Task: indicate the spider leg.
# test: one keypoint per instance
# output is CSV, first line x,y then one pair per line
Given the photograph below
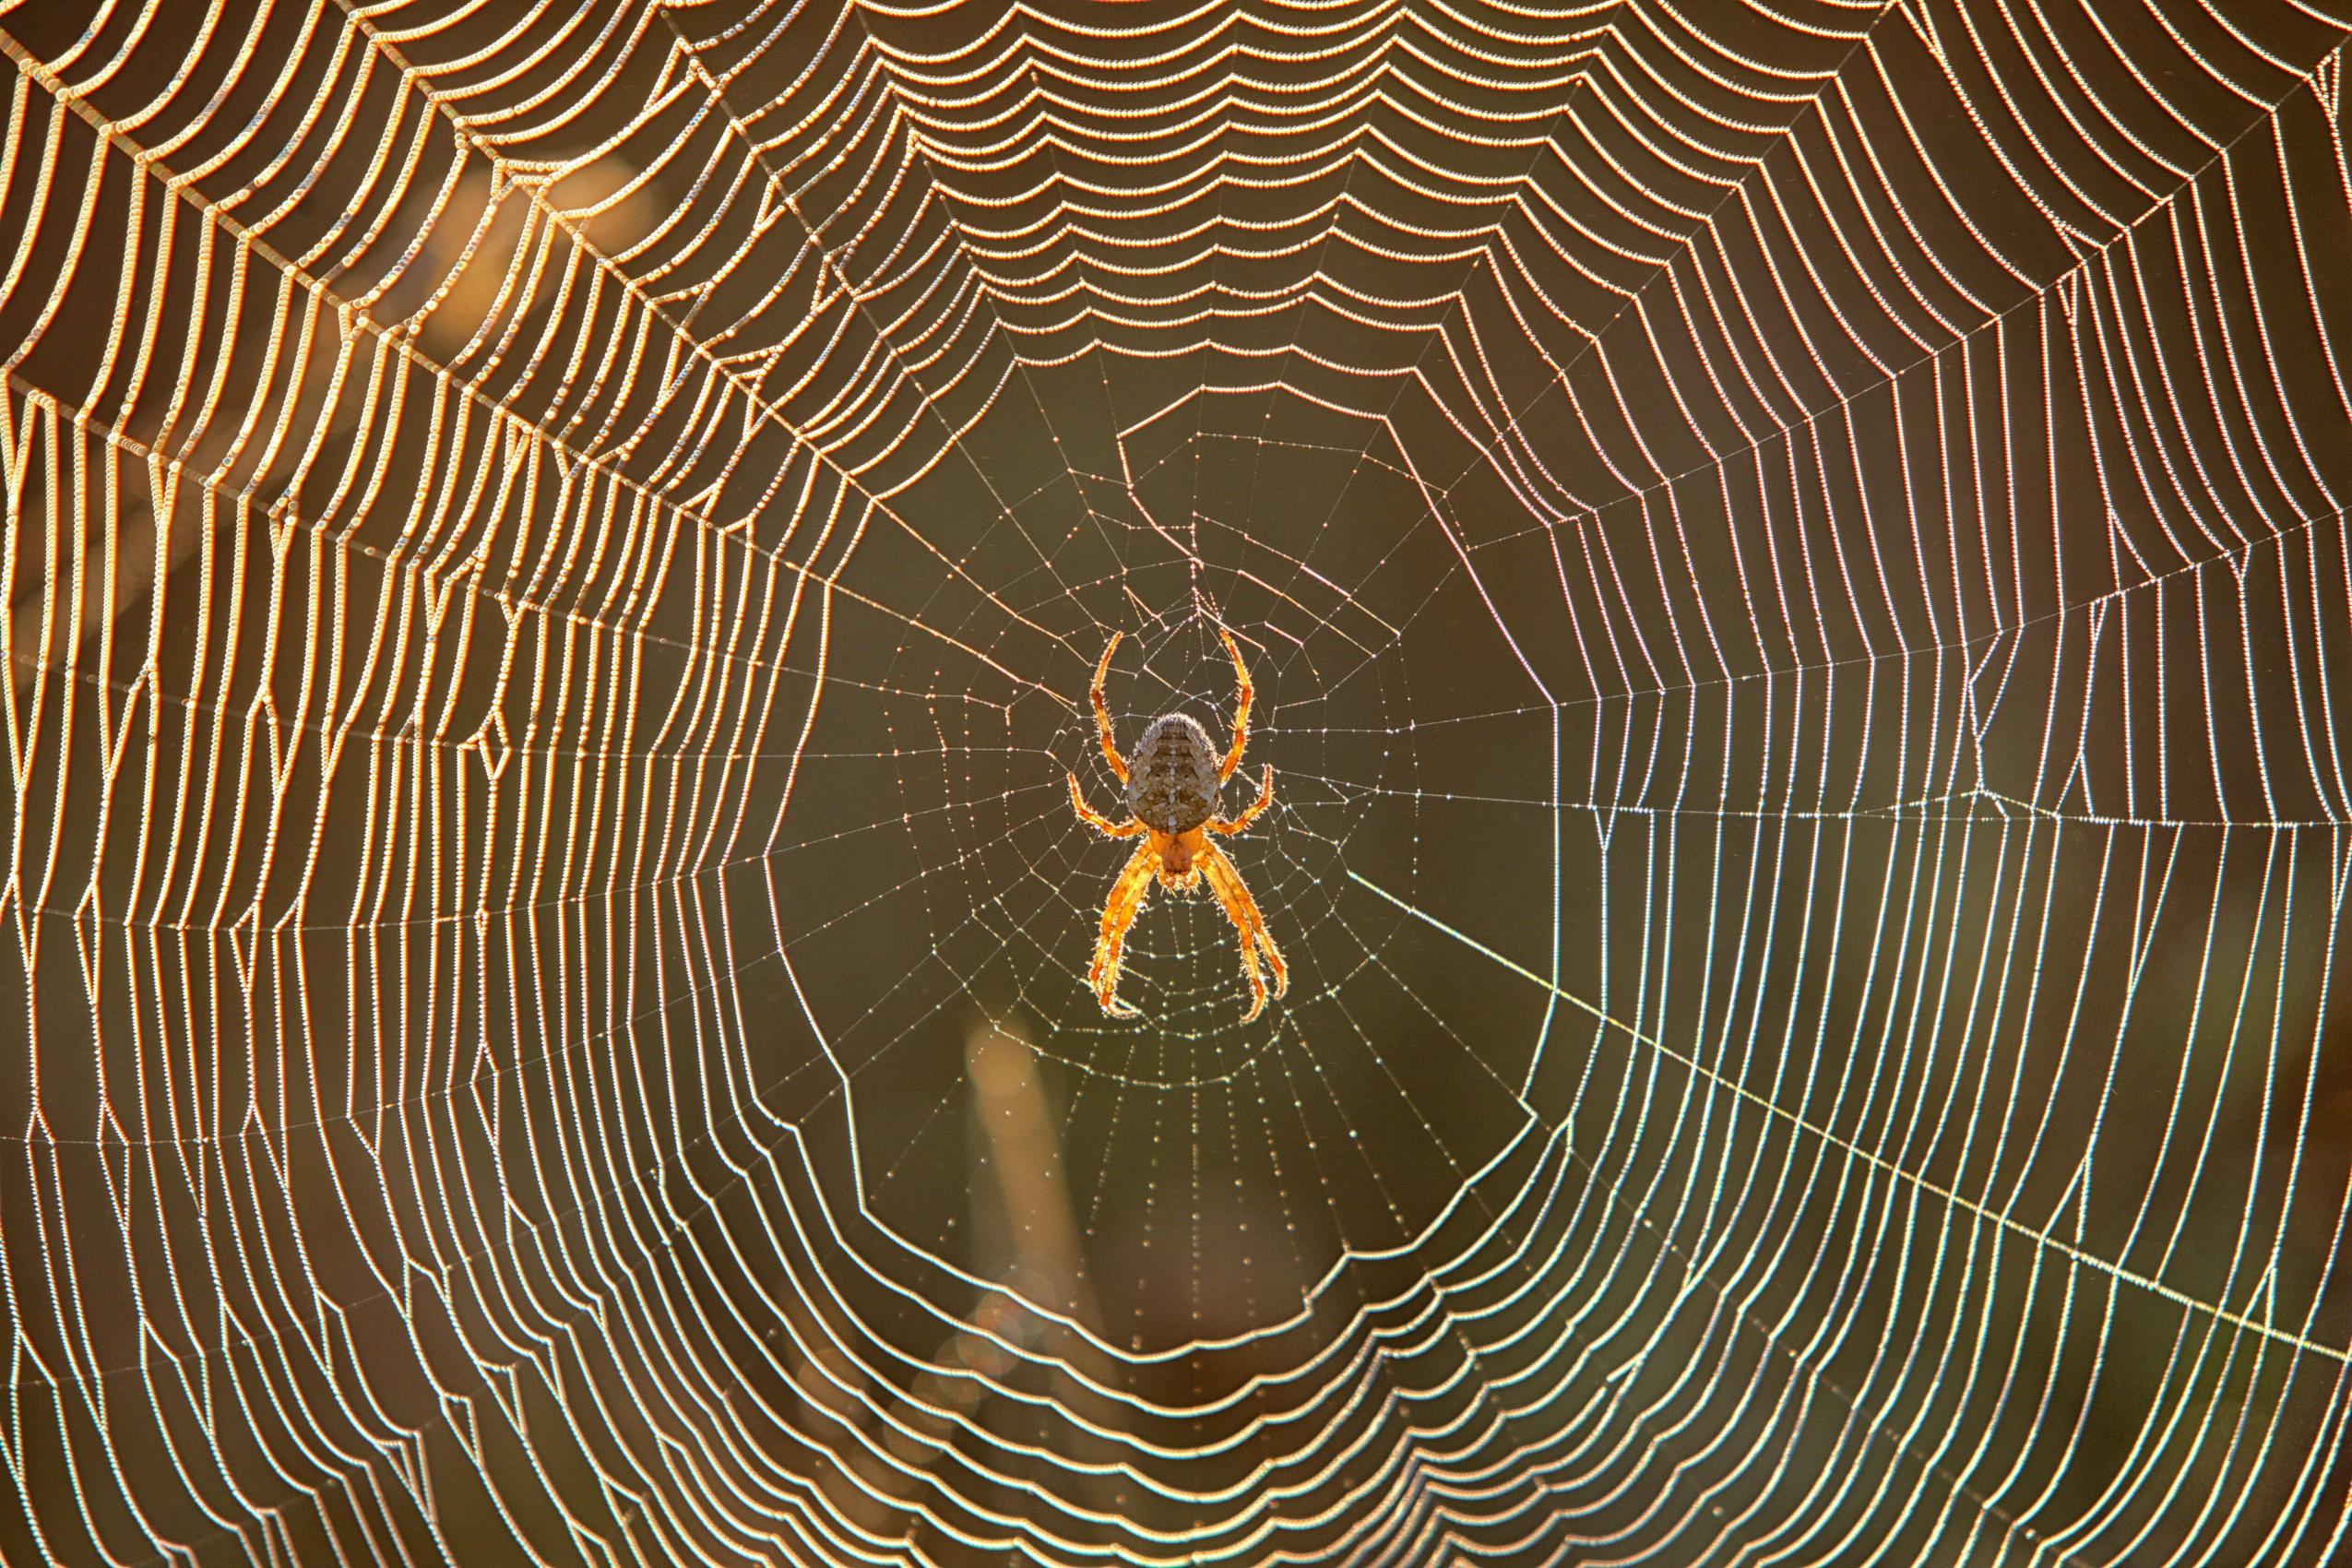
x,y
1241,823
1100,823
1240,708
1118,912
1242,911
1102,713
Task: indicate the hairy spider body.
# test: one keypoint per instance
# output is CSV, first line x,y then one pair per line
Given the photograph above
x,y
1172,781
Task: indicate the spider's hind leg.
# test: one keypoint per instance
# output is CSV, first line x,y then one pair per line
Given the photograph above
x,y
1102,711
1245,693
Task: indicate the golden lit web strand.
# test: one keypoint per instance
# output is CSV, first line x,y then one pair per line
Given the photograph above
x,y
1814,540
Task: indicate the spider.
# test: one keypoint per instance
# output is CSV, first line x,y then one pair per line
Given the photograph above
x,y
1172,781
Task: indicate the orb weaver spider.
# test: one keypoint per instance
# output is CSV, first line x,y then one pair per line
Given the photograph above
x,y
1172,781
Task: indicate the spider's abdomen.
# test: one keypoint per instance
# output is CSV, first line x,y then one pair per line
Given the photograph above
x,y
1171,779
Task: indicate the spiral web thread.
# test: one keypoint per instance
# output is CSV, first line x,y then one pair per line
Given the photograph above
x,y
1793,563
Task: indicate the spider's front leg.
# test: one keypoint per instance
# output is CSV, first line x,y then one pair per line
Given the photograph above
x,y
1118,912
1242,911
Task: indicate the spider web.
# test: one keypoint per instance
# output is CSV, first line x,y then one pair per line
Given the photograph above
x,y
1792,564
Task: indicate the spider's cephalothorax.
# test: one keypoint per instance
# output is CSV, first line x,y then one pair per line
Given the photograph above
x,y
1173,782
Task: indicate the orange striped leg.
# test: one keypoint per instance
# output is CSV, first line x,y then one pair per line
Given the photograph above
x,y
1118,912
1240,824
1240,708
1100,823
1242,911
1102,712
